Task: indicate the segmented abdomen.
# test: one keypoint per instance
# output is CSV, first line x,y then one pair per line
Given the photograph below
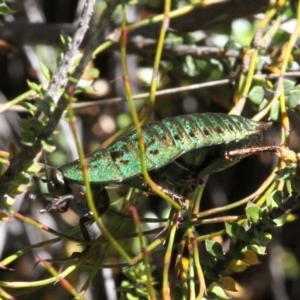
x,y
164,141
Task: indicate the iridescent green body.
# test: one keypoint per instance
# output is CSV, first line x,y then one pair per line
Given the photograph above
x,y
178,151
177,146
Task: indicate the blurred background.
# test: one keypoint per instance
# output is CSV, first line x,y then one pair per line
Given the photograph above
x,y
205,45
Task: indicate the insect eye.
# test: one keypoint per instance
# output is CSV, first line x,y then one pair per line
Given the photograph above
x,y
56,184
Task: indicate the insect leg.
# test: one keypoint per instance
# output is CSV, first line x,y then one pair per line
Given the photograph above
x,y
173,195
85,234
250,151
101,199
59,204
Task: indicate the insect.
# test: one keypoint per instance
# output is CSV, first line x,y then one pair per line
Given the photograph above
x,y
177,150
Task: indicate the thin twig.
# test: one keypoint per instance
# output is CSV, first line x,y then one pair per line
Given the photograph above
x,y
28,153
142,96
60,79
145,46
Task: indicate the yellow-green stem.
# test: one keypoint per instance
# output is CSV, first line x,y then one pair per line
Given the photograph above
x,y
90,201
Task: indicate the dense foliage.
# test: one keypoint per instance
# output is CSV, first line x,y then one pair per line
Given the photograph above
x,y
77,75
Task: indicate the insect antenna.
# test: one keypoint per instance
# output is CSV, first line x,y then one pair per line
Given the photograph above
x,y
46,167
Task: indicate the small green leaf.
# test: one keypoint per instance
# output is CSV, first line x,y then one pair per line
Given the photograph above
x,y
256,94
288,85
45,106
263,104
76,58
145,75
16,189
33,124
7,200
288,172
294,98
296,185
35,87
242,234
275,111
281,220
5,10
124,120
289,186
75,80
28,137
253,212
24,123
130,296
87,89
22,178
232,45
261,250
46,72
236,231
65,39
216,292
231,229
214,248
274,199
265,218
36,124
30,107
93,72
48,146
261,237
33,167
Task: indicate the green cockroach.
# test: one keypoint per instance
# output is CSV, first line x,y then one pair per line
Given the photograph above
x,y
177,149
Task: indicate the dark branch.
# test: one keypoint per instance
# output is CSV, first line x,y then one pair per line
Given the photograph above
x,y
144,46
27,154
